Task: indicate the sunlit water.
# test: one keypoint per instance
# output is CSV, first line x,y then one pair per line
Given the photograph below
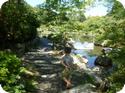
x,y
86,54
85,49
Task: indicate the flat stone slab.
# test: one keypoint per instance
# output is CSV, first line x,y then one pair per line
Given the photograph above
x,y
87,88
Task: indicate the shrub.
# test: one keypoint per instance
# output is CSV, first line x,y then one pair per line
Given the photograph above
x,y
10,71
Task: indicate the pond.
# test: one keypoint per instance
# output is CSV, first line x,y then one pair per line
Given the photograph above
x,y
87,50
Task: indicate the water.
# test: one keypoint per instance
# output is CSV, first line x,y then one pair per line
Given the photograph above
x,y
87,50
85,53
85,45
91,60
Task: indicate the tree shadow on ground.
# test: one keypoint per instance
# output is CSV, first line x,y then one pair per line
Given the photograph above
x,y
49,73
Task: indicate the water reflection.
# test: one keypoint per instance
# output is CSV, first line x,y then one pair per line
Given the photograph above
x,y
85,45
84,49
86,53
91,60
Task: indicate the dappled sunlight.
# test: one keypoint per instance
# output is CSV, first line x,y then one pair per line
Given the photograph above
x,y
34,36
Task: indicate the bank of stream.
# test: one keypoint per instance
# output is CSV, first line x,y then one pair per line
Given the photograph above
x,y
46,63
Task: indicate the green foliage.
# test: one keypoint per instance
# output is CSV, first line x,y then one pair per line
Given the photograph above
x,y
111,28
59,19
10,71
59,34
108,28
116,33
118,10
18,23
59,11
117,77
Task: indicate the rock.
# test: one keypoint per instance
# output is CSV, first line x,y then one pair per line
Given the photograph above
x,y
87,88
106,42
29,73
103,61
44,86
104,85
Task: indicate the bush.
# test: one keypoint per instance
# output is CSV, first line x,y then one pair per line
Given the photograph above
x,y
21,27
117,77
10,71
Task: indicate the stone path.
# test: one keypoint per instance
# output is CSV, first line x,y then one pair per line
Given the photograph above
x,y
48,68
49,74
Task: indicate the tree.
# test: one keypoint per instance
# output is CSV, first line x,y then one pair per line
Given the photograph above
x,y
59,10
118,10
18,23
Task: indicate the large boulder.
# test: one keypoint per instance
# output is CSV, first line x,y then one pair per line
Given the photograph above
x,y
103,61
106,42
